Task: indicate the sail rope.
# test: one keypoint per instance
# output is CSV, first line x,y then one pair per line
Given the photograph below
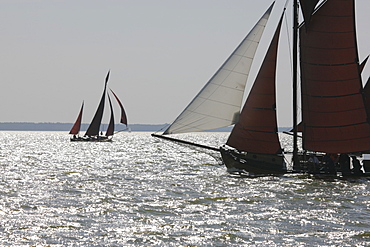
x,y
211,151
162,129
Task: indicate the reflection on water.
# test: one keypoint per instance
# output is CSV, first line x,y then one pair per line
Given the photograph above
x,y
141,191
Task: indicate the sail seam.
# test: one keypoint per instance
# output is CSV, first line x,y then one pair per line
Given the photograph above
x,y
259,131
236,72
327,32
336,126
358,138
333,81
242,55
206,115
221,102
221,85
260,108
181,126
339,64
336,96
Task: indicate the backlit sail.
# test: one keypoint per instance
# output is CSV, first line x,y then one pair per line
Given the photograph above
x,y
218,103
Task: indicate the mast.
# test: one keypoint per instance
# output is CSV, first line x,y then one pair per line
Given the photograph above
x,y
296,165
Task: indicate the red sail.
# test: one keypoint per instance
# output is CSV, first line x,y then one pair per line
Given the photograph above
x,y
110,129
94,127
256,130
308,7
333,110
123,114
76,127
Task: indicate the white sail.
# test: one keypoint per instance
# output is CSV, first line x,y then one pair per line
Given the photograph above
x,y
218,103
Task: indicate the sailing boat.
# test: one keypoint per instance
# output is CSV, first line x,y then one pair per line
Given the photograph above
x,y
93,132
334,114
255,137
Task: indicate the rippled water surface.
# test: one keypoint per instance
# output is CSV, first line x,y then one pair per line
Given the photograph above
x,y
141,191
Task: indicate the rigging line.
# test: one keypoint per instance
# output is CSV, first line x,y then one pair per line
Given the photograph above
x,y
118,131
316,9
288,133
287,161
161,129
286,4
289,44
186,142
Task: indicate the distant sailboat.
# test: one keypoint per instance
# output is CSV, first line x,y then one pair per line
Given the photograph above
x,y
77,125
93,132
334,116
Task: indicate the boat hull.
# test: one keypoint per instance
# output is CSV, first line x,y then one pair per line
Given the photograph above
x,y
91,139
255,164
320,169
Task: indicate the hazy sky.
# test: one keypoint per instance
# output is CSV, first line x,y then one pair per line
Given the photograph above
x,y
56,53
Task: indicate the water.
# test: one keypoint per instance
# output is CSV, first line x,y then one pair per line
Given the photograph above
x,y
141,191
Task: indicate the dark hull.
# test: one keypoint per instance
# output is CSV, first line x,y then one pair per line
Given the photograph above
x,y
91,139
254,164
320,169
362,175
339,174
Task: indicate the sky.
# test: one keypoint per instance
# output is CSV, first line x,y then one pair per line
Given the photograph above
x,y
56,53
